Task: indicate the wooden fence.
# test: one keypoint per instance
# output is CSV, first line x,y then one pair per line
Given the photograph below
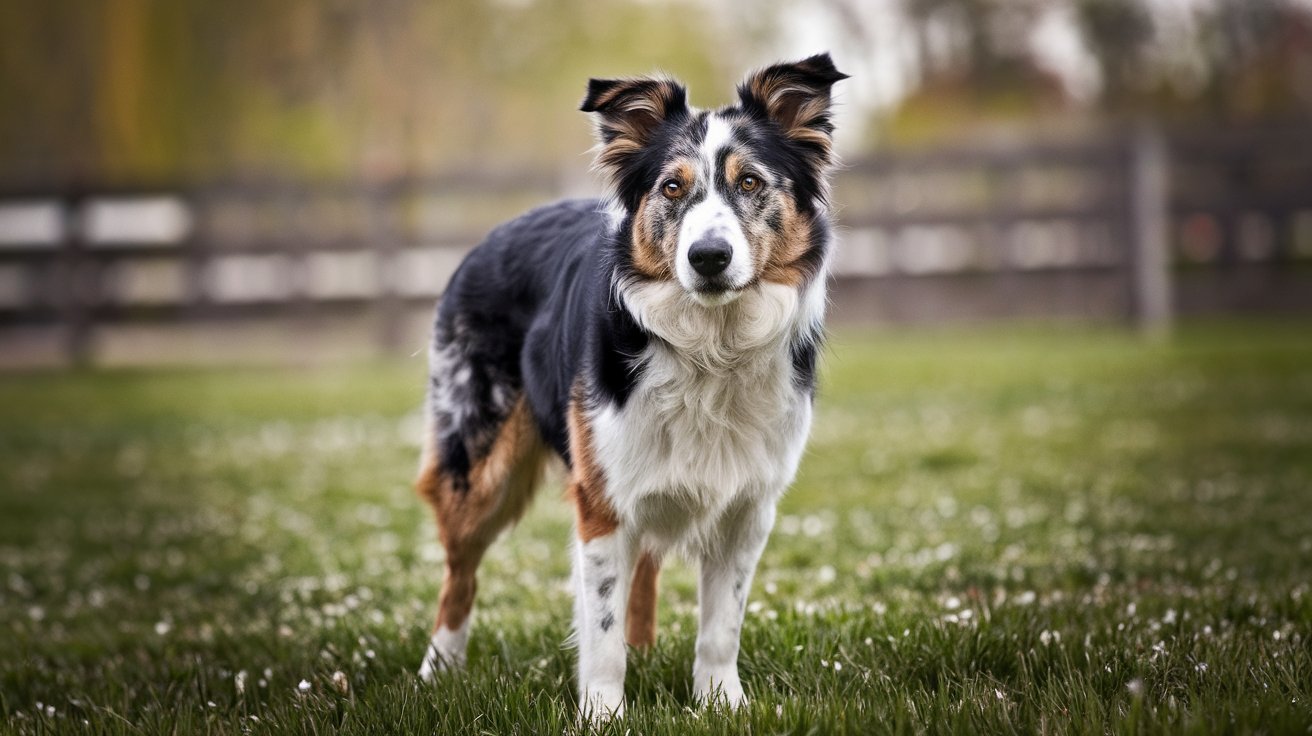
x,y
1106,228
1137,226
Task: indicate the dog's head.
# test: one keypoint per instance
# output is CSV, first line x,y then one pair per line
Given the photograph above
x,y
723,199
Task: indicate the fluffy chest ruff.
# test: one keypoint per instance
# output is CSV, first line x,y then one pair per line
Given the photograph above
x,y
719,416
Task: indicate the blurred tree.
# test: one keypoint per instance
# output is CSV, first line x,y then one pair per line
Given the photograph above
x,y
162,88
1260,56
1118,34
975,64
975,69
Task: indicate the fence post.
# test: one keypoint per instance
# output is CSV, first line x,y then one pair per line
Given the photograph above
x,y
1151,302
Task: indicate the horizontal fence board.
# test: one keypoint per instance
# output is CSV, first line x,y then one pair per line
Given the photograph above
x,y
1024,221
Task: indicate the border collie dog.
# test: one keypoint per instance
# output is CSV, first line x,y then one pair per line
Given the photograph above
x,y
663,344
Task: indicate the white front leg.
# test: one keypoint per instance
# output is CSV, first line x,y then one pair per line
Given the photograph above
x,y
602,569
727,567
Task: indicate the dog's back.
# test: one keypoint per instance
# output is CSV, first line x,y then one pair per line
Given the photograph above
x,y
476,374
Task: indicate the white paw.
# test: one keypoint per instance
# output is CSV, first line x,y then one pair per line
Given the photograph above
x,y
446,652
720,689
601,704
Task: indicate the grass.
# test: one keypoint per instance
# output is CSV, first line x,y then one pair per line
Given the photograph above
x,y
994,531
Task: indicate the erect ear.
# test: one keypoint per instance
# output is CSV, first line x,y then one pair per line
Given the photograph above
x,y
629,111
796,97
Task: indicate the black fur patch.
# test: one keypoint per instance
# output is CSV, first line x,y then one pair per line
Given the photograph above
x,y
618,356
804,357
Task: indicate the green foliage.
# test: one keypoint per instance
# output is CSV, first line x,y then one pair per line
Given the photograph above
x,y
152,89
993,532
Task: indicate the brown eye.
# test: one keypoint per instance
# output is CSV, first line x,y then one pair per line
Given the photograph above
x,y
672,189
749,183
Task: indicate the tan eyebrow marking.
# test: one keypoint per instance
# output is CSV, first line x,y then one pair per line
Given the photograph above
x,y
733,167
683,170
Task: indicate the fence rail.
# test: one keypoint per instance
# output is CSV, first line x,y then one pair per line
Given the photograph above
x,y
1102,228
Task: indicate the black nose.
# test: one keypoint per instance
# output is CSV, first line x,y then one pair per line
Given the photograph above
x,y
710,257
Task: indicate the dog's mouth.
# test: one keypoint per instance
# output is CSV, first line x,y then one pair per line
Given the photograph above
x,y
717,299
714,292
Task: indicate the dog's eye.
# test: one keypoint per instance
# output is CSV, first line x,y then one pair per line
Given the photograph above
x,y
749,183
672,189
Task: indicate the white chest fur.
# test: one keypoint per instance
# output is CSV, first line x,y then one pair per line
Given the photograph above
x,y
716,417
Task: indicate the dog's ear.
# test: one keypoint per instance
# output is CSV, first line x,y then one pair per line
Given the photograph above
x,y
628,112
796,97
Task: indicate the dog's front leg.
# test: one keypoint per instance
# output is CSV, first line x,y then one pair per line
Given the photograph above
x,y
727,566
603,567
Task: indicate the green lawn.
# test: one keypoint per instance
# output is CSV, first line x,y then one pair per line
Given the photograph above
x,y
994,530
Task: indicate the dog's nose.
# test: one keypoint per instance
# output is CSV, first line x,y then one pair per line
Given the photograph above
x,y
709,257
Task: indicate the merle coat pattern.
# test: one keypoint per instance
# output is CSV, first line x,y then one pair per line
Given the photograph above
x,y
663,344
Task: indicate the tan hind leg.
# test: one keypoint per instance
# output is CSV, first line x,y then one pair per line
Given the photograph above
x,y
500,486
640,621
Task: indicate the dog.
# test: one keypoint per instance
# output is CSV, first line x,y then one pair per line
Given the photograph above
x,y
662,343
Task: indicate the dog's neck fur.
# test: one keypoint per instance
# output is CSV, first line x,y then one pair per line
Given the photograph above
x,y
724,339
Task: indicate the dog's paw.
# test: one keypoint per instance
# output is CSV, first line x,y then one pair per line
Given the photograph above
x,y
444,654
600,705
724,692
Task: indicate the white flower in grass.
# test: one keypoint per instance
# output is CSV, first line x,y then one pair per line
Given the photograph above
x,y
813,526
239,682
340,682
999,694
828,574
1200,668
304,686
1047,637
1135,687
952,603
163,627
838,666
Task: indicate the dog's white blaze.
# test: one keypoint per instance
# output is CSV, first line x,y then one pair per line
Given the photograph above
x,y
446,650
713,218
718,135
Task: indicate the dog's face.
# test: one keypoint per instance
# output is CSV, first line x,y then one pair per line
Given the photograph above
x,y
720,200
